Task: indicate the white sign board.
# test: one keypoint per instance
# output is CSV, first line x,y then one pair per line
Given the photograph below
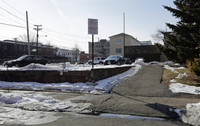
x,y
93,26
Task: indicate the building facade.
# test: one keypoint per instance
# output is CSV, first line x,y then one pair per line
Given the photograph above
x,y
69,55
101,48
117,43
146,42
10,49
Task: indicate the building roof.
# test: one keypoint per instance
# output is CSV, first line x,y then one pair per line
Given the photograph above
x,y
122,34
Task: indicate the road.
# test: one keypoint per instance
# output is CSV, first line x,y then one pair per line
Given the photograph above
x,y
142,94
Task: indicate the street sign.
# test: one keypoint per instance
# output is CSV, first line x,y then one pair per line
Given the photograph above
x,y
93,26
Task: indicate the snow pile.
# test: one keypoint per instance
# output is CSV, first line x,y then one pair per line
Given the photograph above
x,y
109,83
38,102
163,63
141,62
29,108
59,66
182,88
192,116
100,86
34,66
16,116
173,69
182,75
178,87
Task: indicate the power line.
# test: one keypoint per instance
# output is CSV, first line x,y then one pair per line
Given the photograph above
x,y
50,30
35,21
17,10
12,7
63,39
10,19
11,14
66,33
12,25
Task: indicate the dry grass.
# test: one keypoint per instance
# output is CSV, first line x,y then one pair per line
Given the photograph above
x,y
191,79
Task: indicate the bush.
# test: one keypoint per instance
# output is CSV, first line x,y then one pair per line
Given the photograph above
x,y
194,66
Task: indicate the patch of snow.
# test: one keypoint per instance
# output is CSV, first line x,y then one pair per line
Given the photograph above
x,y
162,63
182,88
16,116
38,102
173,68
180,76
169,68
173,81
192,115
104,85
59,66
109,83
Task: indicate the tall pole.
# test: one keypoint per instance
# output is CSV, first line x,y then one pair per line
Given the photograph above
x,y
92,51
37,29
124,32
29,50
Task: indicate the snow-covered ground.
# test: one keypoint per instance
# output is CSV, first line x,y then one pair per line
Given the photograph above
x,y
98,87
24,107
31,108
192,114
59,66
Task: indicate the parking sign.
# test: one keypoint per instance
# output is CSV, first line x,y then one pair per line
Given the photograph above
x,y
93,26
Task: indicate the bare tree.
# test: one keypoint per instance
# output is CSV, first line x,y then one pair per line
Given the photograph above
x,y
77,50
158,37
23,38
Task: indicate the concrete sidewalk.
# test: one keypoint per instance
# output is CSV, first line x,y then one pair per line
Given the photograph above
x,y
147,82
142,94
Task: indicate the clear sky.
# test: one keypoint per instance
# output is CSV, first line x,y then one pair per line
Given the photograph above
x,y
65,22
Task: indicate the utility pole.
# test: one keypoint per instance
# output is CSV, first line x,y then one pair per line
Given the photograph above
x,y
29,50
37,29
16,53
124,32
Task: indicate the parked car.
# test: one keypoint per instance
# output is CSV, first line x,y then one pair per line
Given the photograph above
x,y
127,61
25,60
114,59
140,59
97,60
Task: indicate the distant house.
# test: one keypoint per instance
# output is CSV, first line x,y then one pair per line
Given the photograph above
x,y
117,43
146,42
14,49
70,55
101,48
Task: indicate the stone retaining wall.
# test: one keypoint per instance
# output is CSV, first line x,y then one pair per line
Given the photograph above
x,y
45,76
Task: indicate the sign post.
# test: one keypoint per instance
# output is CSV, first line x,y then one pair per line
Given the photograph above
x,y
93,29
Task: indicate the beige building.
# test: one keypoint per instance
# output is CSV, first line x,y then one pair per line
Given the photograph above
x,y
117,43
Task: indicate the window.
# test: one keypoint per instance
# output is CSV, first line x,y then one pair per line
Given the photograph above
x,y
118,41
118,50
